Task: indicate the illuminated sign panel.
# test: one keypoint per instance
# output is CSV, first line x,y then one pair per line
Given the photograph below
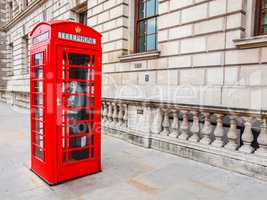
x,y
40,38
77,38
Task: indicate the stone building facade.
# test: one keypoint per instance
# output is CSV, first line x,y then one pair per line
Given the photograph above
x,y
183,76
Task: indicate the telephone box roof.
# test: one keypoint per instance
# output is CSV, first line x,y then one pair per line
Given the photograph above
x,y
55,23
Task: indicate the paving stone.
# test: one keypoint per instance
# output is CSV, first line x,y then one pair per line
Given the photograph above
x,y
129,172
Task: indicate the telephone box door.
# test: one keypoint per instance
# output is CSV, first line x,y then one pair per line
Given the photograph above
x,y
78,105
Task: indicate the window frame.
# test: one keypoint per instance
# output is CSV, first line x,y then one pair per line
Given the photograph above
x,y
259,17
26,57
83,17
137,22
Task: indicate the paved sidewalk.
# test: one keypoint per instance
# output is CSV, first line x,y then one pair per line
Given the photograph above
x,y
129,173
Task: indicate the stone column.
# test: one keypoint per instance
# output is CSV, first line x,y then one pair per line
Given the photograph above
x,y
247,137
156,122
175,125
165,123
219,132
184,126
262,139
206,130
195,127
232,135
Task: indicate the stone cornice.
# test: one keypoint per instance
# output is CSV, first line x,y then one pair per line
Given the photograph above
x,y
22,14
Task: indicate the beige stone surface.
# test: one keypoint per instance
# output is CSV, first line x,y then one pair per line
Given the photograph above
x,y
191,45
192,77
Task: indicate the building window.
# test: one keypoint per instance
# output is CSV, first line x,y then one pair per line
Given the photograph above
x,y
146,25
83,17
26,3
11,55
10,9
261,17
25,68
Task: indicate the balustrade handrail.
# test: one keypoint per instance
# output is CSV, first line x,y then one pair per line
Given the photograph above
x,y
241,112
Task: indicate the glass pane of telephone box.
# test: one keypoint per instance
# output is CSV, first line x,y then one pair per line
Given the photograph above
x,y
79,59
81,141
38,59
78,128
79,73
78,87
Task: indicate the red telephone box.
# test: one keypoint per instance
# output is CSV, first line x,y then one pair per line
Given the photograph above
x,y
65,96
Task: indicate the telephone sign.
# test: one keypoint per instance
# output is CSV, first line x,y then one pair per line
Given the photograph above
x,y
65,100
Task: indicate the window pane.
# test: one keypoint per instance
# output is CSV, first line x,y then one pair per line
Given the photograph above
x,y
76,100
150,8
151,26
79,59
80,128
76,87
79,73
151,42
142,28
78,141
265,18
79,155
157,7
38,59
142,45
142,10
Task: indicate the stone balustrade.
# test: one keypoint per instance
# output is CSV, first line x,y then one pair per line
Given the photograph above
x,y
114,115
218,128
195,126
235,135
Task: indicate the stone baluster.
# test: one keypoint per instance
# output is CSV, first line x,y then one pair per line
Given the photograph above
x,y
206,130
105,112
184,126
247,137
120,115
175,124
102,111
115,115
110,113
232,134
262,139
125,116
165,123
195,127
219,132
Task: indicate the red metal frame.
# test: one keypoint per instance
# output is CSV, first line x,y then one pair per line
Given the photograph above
x,y
58,153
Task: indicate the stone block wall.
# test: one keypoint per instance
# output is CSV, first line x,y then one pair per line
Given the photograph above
x,y
199,61
3,60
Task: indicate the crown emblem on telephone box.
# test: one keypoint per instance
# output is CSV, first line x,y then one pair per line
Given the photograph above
x,y
78,29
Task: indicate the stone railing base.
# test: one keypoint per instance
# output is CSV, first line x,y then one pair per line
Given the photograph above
x,y
226,159
128,136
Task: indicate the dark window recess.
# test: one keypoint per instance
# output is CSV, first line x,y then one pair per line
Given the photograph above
x,y
146,25
83,17
261,17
